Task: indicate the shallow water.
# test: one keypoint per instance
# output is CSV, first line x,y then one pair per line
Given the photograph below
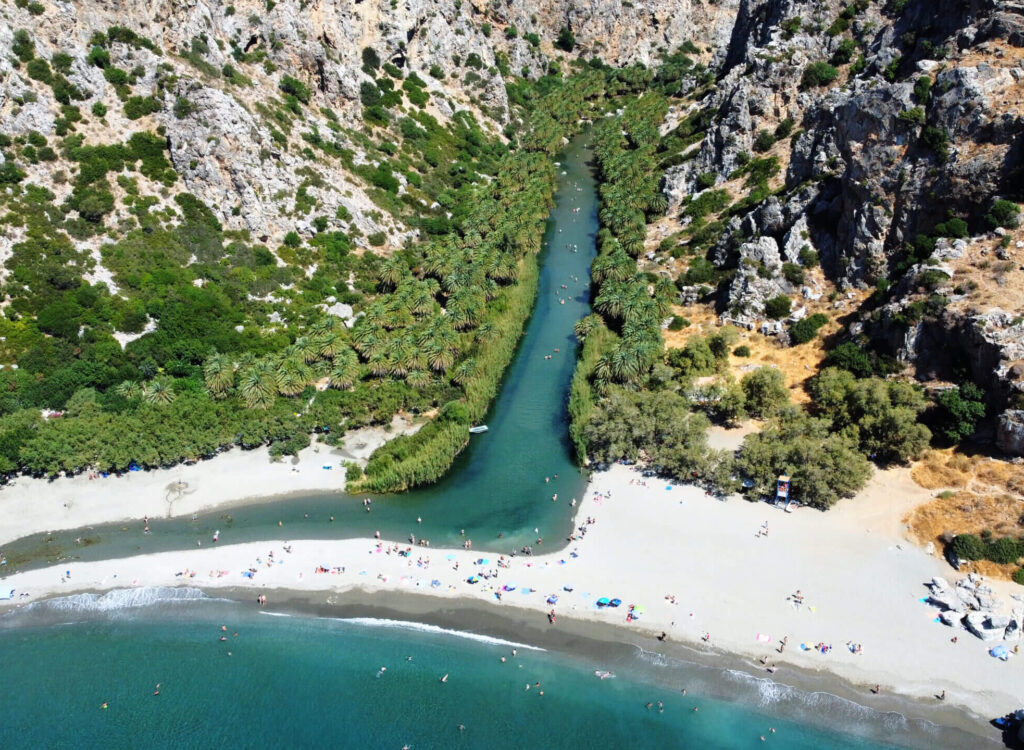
x,y
298,681
496,485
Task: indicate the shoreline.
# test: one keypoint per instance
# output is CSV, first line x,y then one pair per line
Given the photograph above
x,y
649,543
235,477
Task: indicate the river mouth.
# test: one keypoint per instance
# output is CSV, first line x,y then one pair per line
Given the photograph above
x,y
513,485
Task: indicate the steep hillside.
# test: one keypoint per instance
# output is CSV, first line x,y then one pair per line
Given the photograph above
x,y
884,141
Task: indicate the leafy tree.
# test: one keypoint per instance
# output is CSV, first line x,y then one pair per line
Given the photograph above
x,y
777,307
765,391
823,466
960,410
806,329
818,74
566,40
295,87
851,357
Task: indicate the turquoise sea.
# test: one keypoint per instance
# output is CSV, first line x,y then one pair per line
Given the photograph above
x,y
304,681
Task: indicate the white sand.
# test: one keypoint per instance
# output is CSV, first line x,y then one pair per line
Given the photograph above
x,y
861,582
29,506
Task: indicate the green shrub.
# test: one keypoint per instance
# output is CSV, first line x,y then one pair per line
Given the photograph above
x,y
706,180
436,71
793,273
292,239
511,32
765,391
140,106
777,307
808,257
915,116
923,89
1003,551
742,351
790,27
370,58
818,74
956,228
1003,213
960,409
294,87
115,76
784,128
968,547
532,38
938,141
99,57
804,330
566,40
844,52
376,239
183,107
701,271
99,109
1018,576
678,323
764,141
39,70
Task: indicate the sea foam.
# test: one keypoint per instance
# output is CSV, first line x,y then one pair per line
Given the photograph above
x,y
118,599
424,628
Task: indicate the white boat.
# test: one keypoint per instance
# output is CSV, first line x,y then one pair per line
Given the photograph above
x,y
477,430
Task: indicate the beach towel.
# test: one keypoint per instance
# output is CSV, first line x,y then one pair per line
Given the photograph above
x,y
763,638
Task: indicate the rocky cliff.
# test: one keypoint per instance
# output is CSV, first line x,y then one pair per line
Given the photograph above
x,y
889,137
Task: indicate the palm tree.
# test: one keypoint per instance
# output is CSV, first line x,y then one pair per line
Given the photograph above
x,y
158,391
392,271
465,371
128,389
585,326
219,374
345,370
306,348
329,343
257,384
419,379
293,375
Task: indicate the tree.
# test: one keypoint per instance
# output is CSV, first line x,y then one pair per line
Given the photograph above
x,y
295,87
777,307
765,391
960,410
818,74
219,374
566,39
345,369
159,391
257,384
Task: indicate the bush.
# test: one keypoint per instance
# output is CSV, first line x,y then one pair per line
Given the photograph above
x,y
292,239
22,46
99,109
370,58
777,307
808,257
1004,213
742,351
566,40
532,38
183,107
701,271
961,408
844,52
1003,551
39,70
968,547
804,330
784,128
818,74
793,273
1018,576
706,180
790,26
377,239
852,358
938,141
763,141
98,57
765,391
436,72
295,87
140,106
678,323
956,228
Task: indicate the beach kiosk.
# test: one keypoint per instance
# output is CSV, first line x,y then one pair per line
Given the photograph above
x,y
782,490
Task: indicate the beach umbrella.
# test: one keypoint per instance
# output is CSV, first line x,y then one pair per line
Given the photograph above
x,y
614,602
472,579
567,588
552,599
603,601
510,587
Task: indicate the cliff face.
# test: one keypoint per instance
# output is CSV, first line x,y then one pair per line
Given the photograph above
x,y
902,116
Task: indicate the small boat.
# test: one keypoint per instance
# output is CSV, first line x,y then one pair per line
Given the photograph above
x,y
478,429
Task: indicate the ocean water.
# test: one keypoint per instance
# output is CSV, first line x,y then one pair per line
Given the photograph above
x,y
302,681
496,486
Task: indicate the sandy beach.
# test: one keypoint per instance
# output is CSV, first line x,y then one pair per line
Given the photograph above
x,y
859,581
29,505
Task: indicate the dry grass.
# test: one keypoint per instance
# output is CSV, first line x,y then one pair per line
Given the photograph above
x,y
980,494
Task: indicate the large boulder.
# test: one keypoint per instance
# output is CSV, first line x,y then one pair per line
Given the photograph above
x,y
1010,432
